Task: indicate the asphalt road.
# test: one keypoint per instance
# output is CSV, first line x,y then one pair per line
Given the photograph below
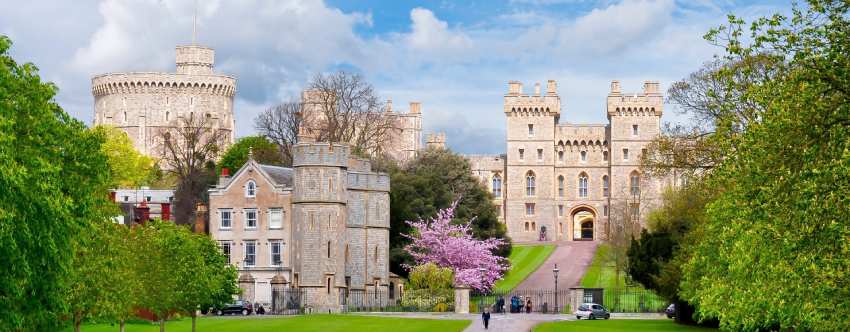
x,y
572,257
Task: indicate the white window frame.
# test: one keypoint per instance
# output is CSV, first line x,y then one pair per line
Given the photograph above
x,y
582,185
221,219
229,252
271,214
253,255
251,189
272,244
256,218
497,186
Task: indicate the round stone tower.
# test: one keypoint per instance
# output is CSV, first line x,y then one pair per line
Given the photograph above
x,y
319,221
143,104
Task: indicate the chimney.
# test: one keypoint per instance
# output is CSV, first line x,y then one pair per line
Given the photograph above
x,y
551,87
201,218
415,107
615,87
650,87
225,175
514,88
537,88
389,106
112,195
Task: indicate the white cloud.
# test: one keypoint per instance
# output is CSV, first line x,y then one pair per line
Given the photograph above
x,y
433,36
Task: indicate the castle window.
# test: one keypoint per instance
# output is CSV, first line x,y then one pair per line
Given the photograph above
x,y
497,186
275,250
529,209
250,252
329,285
530,130
643,152
583,156
275,218
605,210
529,184
251,189
634,130
533,226
635,183
605,155
526,226
250,218
582,185
375,258
560,155
635,211
605,190
539,154
625,154
560,186
225,217
329,249
521,154
125,117
560,210
167,116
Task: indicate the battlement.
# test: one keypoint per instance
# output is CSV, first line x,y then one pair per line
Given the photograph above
x,y
320,154
649,102
436,141
521,103
369,181
151,82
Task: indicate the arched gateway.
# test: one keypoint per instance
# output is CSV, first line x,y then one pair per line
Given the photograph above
x,y
583,222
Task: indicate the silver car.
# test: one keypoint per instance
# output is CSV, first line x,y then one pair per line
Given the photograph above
x,y
592,311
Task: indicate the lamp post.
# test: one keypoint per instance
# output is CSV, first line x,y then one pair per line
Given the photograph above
x,y
555,273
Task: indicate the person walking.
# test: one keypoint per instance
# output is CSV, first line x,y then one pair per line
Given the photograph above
x,y
485,317
528,305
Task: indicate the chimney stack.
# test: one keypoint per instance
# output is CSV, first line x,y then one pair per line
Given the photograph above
x,y
551,87
415,107
514,88
225,175
615,87
650,87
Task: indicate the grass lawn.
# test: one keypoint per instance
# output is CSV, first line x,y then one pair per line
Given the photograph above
x,y
323,323
524,260
619,296
615,325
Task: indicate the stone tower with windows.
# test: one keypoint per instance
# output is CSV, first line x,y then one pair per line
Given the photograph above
x,y
319,220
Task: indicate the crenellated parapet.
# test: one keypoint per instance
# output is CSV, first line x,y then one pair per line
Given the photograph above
x,y
163,83
320,154
369,181
649,102
521,104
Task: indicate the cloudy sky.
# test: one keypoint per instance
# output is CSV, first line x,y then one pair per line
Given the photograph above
x,y
455,57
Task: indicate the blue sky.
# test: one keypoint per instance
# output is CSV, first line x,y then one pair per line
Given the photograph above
x,y
454,57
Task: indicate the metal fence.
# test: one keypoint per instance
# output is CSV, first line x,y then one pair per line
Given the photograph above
x,y
408,301
633,300
288,301
521,301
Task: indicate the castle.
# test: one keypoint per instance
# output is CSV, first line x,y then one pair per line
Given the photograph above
x,y
144,104
561,181
321,227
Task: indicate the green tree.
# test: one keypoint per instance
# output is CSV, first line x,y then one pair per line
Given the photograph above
x,y
208,279
430,276
264,151
775,238
128,167
53,181
432,181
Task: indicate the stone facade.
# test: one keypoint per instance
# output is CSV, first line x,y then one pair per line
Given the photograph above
x,y
570,178
333,229
144,104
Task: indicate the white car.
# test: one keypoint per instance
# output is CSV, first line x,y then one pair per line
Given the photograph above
x,y
592,311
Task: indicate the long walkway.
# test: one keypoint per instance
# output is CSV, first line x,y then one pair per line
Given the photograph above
x,y
572,257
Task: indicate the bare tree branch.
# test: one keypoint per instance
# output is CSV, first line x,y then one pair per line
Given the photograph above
x,y
281,124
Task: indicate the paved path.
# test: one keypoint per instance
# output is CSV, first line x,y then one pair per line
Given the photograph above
x,y
505,322
572,257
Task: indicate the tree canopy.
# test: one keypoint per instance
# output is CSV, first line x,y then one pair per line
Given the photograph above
x,y
129,167
264,151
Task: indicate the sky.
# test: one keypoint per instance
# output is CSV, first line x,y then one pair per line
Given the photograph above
x,y
455,57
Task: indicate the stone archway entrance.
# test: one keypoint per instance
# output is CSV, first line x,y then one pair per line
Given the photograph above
x,y
583,221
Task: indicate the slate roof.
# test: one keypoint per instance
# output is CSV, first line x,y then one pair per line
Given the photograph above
x,y
280,175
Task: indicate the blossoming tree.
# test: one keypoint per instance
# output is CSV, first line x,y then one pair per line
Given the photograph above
x,y
452,245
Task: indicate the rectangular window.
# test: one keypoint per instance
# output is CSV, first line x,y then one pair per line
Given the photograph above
x,y
529,209
605,210
250,252
634,130
275,218
604,155
539,154
275,249
250,218
560,210
521,154
530,129
625,154
226,218
147,199
635,211
225,249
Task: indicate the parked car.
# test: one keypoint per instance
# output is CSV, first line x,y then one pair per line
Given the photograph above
x,y
238,307
671,310
592,311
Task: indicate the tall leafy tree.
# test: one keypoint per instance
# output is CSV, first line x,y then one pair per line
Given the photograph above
x,y
129,167
264,152
53,182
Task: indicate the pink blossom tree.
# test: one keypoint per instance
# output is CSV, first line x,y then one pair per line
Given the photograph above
x,y
452,245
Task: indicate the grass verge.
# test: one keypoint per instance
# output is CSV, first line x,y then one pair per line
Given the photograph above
x,y
619,296
524,261
618,325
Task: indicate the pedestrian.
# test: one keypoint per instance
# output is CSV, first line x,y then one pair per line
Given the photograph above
x,y
528,305
485,317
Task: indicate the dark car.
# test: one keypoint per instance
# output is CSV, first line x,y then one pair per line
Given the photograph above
x,y
238,307
671,310
592,311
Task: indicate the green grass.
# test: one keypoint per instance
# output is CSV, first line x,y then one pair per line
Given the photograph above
x,y
323,323
524,261
617,325
619,295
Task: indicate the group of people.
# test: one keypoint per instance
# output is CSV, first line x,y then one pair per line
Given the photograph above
x,y
517,305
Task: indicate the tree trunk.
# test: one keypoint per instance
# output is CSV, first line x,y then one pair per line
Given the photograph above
x,y
194,317
121,325
77,323
162,325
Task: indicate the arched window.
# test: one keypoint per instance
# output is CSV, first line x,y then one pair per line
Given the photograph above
x,y
167,117
251,189
605,192
582,185
529,184
560,186
497,185
584,156
635,183
604,155
560,155
526,226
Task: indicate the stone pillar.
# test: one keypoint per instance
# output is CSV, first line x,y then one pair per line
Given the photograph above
x,y
462,299
278,285
246,283
576,298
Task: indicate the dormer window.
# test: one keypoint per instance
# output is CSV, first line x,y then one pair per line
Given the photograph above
x,y
251,189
